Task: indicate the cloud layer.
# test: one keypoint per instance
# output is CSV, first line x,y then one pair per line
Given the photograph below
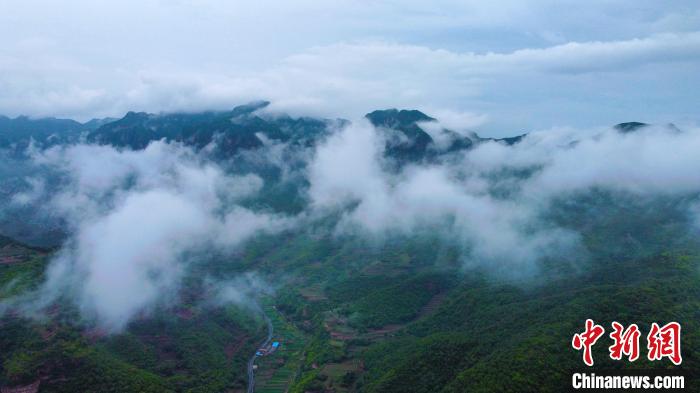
x,y
139,219
494,199
521,65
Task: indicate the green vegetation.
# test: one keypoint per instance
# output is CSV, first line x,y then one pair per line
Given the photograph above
x,y
196,348
21,268
470,330
278,370
396,303
403,316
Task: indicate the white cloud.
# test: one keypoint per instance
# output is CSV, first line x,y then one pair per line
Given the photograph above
x,y
459,199
130,259
240,290
516,65
654,160
142,215
348,172
37,188
138,218
459,121
345,60
579,57
347,169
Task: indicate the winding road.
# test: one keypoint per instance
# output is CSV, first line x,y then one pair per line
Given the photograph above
x,y
251,362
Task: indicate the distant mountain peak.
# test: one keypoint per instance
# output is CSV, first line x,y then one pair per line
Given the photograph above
x,y
512,140
631,126
131,115
392,118
419,138
249,108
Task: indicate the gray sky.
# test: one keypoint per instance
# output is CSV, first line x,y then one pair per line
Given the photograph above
x,y
499,69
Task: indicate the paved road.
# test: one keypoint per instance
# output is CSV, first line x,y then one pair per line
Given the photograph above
x,y
251,362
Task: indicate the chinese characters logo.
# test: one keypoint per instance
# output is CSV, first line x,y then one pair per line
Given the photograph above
x,y
662,342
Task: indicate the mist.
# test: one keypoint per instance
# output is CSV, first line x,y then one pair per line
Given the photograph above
x,y
499,203
139,220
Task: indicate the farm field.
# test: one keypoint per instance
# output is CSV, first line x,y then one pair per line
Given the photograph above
x,y
277,371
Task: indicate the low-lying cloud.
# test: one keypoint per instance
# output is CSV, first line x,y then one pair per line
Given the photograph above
x,y
348,171
138,220
493,200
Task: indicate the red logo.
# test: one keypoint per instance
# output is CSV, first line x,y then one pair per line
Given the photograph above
x,y
586,340
662,342
626,342
665,342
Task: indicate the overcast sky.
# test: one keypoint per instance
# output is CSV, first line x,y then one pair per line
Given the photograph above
x,y
499,69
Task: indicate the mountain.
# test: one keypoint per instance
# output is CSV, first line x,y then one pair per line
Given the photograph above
x,y
94,124
45,132
411,135
634,126
48,131
179,350
409,140
233,131
408,313
630,126
511,140
403,317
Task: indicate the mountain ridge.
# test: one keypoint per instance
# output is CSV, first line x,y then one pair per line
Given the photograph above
x,y
406,131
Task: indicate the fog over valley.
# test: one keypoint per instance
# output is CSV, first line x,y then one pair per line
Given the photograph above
x,y
145,211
